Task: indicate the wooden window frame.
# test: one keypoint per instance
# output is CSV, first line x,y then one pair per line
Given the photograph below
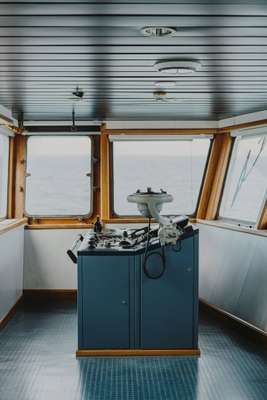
x,y
261,222
8,178
114,215
107,215
210,195
215,177
17,190
84,217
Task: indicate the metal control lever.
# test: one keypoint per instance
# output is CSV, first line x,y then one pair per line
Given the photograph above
x,y
74,246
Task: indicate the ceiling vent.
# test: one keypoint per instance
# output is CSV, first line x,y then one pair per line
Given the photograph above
x,y
165,84
158,31
177,67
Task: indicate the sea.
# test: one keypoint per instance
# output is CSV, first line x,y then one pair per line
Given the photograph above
x,y
59,185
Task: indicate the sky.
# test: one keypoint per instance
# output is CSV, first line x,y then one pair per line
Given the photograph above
x,y
194,147
53,145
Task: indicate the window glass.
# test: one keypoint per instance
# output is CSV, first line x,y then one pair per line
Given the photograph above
x,y
246,183
174,165
4,155
58,179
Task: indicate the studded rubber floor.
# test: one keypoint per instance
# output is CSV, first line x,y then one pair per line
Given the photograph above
x,y
37,362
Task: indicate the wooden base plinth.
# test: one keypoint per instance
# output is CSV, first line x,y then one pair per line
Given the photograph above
x,y
50,294
137,352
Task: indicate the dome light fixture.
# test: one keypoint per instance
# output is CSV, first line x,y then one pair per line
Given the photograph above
x,y
158,31
177,67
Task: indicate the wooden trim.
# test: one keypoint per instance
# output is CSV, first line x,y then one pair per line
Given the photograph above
x,y
209,177
11,179
138,352
12,225
213,186
262,224
96,178
52,294
60,225
184,131
10,313
242,126
214,178
69,222
20,169
104,175
236,322
232,227
46,222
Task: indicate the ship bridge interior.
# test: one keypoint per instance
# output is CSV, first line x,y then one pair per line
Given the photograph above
x,y
133,200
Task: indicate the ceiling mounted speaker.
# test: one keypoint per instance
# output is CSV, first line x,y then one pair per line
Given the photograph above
x,y
177,67
158,31
160,95
78,93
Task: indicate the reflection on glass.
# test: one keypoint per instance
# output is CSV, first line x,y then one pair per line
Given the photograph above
x,y
246,183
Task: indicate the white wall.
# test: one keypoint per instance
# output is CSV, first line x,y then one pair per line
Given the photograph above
x,y
11,268
233,273
46,264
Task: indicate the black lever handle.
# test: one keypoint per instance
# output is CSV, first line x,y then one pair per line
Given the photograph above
x,y
70,252
72,256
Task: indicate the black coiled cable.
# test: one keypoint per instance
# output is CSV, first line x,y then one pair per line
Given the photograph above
x,y
153,253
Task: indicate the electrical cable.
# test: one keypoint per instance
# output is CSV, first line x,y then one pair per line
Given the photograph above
x,y
153,253
177,247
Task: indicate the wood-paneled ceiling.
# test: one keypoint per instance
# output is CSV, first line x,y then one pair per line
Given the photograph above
x,y
48,48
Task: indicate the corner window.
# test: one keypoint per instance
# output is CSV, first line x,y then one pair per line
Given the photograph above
x,y
246,183
4,156
58,176
175,164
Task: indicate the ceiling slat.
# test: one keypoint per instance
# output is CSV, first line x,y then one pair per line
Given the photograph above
x,y
48,48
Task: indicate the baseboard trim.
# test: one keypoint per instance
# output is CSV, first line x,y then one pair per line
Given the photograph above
x,y
137,352
50,294
244,327
10,314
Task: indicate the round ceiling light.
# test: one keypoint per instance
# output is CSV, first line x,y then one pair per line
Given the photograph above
x,y
158,31
177,67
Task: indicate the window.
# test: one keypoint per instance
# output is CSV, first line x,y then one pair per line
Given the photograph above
x,y
246,182
4,155
175,164
58,179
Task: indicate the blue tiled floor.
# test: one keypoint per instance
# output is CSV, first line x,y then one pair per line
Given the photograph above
x,y
37,362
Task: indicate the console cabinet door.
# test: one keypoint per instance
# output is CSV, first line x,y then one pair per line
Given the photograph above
x,y
167,303
103,302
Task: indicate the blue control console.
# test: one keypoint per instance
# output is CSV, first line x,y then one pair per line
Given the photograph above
x,y
138,297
